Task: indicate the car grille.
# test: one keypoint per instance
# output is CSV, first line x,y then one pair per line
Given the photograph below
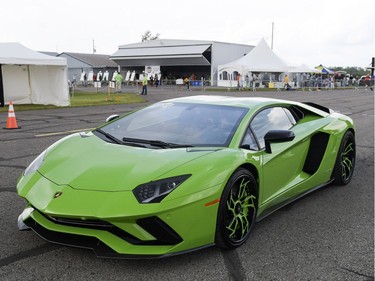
x,y
162,232
96,224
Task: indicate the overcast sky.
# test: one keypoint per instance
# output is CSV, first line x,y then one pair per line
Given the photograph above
x,y
329,32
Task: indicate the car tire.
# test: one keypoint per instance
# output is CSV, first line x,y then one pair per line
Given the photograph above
x,y
237,210
345,161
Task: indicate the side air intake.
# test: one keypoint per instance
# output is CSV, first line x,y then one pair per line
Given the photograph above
x,y
316,152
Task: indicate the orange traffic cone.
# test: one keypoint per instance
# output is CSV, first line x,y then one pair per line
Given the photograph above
x,y
11,122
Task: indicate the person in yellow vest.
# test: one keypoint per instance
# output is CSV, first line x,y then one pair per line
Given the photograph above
x,y
144,84
118,79
286,82
187,82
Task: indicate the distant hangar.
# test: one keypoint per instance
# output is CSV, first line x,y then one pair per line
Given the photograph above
x,y
179,58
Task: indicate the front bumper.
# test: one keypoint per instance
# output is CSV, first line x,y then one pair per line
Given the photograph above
x,y
165,236
114,223
148,237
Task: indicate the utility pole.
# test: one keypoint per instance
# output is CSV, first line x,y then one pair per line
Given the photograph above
x,y
93,46
272,38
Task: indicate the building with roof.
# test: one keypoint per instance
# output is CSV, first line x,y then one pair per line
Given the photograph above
x,y
179,58
54,54
79,63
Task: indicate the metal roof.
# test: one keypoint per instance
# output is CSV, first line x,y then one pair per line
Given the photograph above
x,y
165,43
163,52
95,60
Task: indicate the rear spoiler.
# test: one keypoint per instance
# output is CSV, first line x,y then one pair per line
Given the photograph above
x,y
320,107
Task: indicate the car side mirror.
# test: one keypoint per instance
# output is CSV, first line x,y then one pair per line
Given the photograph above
x,y
277,136
111,117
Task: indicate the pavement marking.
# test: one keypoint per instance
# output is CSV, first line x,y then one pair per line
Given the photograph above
x,y
63,133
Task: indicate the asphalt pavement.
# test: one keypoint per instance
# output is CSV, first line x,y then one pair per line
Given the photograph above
x,y
327,235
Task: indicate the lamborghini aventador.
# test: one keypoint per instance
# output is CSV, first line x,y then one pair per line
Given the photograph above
x,y
183,174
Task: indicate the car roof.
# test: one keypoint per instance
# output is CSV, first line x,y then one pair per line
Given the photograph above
x,y
252,103
247,102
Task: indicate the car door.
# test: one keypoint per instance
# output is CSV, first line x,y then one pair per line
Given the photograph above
x,y
282,168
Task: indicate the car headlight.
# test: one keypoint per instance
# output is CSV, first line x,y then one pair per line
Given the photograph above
x,y
35,164
155,191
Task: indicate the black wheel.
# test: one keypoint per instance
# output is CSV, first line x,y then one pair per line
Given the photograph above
x,y
237,210
345,161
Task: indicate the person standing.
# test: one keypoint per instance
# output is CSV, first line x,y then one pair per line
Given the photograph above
x,y
255,81
251,80
85,79
319,81
118,79
354,83
286,82
368,82
144,85
156,80
74,80
238,78
187,83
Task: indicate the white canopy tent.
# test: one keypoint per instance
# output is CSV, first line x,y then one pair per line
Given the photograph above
x,y
303,69
29,77
261,59
301,74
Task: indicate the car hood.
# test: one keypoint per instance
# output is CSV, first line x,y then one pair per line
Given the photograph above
x,y
84,161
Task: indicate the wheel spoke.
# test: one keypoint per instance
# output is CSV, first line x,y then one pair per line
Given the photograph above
x,y
239,204
347,160
244,225
348,164
231,204
348,149
346,168
246,204
242,193
232,228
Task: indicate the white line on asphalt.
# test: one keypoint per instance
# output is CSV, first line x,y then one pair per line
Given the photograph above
x,y
63,133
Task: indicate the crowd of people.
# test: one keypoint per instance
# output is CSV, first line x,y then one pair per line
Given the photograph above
x,y
302,80
290,81
331,81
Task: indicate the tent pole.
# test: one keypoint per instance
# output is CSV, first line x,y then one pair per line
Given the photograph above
x,y
2,101
29,76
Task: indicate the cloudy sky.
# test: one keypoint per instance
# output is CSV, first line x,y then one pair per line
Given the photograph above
x,y
329,32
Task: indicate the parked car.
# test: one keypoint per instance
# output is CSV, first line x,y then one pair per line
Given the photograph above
x,y
184,174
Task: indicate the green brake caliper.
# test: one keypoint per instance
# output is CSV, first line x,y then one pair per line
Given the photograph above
x,y
238,206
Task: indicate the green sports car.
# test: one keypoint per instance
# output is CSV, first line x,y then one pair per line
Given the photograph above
x,y
183,174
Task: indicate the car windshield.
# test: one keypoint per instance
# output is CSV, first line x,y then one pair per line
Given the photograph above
x,y
178,124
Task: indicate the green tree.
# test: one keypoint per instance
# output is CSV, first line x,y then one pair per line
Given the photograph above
x,y
353,70
148,36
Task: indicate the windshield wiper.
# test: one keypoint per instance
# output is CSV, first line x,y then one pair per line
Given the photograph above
x,y
109,136
115,140
157,143
167,144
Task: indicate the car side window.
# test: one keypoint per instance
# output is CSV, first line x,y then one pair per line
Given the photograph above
x,y
249,141
273,118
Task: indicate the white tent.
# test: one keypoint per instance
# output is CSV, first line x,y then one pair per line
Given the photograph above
x,y
303,69
260,59
30,77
